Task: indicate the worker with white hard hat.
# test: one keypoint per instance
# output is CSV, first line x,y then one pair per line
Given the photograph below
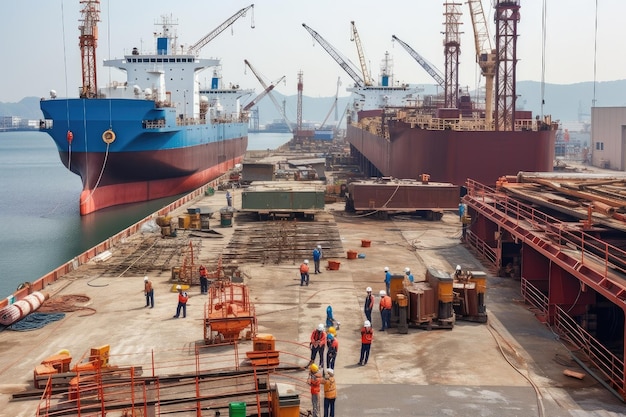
x,y
385,310
409,275
457,271
387,278
317,256
369,304
330,393
318,344
182,302
367,335
148,291
304,272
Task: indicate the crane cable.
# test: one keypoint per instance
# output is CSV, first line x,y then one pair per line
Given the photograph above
x,y
543,55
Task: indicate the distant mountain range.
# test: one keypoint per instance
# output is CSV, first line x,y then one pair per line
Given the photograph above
x,y
567,103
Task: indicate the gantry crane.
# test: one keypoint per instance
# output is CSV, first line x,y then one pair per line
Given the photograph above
x,y
269,93
367,80
90,16
434,72
195,48
343,62
485,54
263,94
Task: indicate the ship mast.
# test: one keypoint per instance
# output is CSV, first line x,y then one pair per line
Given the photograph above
x,y
88,42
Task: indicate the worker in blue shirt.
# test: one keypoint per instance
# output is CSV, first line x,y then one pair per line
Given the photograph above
x,y
409,275
387,278
317,255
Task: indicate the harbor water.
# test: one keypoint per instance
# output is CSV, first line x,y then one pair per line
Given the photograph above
x,y
41,225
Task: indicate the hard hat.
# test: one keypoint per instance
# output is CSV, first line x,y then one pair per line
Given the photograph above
x,y
458,267
314,368
320,327
368,289
306,261
367,323
319,246
383,292
407,269
332,331
386,268
178,287
145,278
330,371
331,337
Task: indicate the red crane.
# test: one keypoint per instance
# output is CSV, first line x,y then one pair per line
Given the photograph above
x,y
88,42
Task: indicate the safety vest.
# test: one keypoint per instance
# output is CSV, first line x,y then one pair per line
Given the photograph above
x,y
183,297
147,286
367,335
369,302
304,268
385,303
314,381
330,388
318,338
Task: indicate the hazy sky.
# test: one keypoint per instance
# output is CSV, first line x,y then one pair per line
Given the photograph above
x,y
40,40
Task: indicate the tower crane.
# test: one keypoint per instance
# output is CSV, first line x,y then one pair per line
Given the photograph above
x,y
195,48
357,40
90,16
485,54
434,72
269,93
343,62
263,94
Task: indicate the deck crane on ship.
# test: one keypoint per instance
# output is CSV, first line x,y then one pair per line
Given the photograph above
x,y
357,40
430,69
485,54
369,97
195,48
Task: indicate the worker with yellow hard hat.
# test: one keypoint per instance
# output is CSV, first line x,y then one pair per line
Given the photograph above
x,y
314,380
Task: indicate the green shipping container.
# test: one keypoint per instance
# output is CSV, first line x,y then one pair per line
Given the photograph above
x,y
282,200
237,409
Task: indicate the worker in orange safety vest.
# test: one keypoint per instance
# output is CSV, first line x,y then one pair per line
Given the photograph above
x,y
315,380
304,272
182,302
385,309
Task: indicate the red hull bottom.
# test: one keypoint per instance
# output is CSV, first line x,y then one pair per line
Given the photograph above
x,y
134,192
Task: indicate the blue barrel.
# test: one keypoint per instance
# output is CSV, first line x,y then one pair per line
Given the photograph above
x,y
237,409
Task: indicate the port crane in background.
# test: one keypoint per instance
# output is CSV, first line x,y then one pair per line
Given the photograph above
x,y
367,79
430,69
195,48
334,105
280,109
90,16
263,94
343,62
485,54
507,16
299,104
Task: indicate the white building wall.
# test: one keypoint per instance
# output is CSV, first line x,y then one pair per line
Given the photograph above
x,y
608,127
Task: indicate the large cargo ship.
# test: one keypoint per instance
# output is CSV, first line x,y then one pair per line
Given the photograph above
x,y
158,134
405,143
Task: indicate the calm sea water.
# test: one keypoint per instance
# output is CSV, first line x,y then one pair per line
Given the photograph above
x,y
40,225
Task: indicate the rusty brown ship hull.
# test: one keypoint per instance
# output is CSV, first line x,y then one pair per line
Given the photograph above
x,y
451,155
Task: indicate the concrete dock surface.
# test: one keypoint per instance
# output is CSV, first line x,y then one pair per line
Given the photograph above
x,y
511,366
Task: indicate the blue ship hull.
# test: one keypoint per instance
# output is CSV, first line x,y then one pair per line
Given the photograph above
x,y
153,154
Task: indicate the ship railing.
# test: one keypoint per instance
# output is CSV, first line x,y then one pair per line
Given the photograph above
x,y
579,247
609,364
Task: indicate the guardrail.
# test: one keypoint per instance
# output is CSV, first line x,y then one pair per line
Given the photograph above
x,y
571,246
534,297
